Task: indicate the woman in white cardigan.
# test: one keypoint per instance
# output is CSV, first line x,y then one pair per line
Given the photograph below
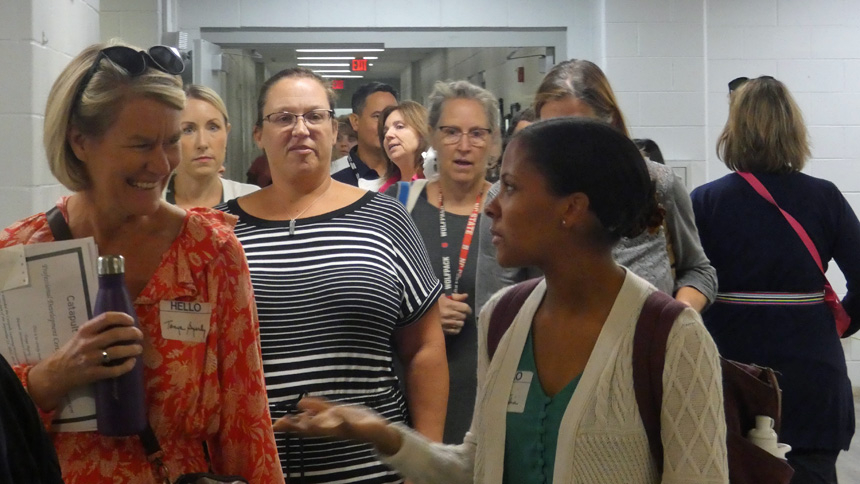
x,y
556,402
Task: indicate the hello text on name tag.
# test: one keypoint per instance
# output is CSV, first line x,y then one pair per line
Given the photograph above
x,y
520,391
185,320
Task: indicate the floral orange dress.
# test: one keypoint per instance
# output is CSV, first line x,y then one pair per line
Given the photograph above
x,y
211,391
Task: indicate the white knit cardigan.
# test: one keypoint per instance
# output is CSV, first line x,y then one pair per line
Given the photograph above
x,y
601,437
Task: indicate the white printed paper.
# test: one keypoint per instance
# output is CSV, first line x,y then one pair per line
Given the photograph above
x,y
36,319
13,268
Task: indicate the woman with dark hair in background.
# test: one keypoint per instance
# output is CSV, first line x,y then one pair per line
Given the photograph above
x,y
403,135
669,257
770,310
556,401
342,282
464,119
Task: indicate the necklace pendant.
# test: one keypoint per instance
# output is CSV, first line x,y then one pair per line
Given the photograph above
x,y
292,227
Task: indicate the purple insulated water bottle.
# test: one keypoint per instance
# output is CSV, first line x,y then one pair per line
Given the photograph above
x,y
120,402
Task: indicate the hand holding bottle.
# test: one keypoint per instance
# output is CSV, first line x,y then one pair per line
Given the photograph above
x,y
81,360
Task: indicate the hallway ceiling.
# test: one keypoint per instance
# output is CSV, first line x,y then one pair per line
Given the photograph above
x,y
389,65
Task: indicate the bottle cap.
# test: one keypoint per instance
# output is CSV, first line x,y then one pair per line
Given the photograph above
x,y
111,264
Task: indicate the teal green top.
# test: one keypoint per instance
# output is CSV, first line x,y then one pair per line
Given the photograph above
x,y
532,434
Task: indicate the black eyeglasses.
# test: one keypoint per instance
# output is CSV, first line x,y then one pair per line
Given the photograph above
x,y
161,57
740,81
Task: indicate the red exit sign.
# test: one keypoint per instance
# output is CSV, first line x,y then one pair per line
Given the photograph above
x,y
359,65
337,84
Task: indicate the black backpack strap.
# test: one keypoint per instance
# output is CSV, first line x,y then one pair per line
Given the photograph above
x,y
59,227
649,357
506,310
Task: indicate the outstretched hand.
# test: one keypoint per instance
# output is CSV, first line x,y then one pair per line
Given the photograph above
x,y
322,418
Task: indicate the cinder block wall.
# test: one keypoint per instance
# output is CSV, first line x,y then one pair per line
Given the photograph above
x,y
670,62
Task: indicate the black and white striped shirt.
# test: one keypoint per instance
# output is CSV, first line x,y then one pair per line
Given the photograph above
x,y
330,298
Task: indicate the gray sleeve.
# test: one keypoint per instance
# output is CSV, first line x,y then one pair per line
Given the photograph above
x,y
490,275
692,267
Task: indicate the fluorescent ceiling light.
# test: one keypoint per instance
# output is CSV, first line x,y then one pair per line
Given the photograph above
x,y
340,50
341,76
324,64
335,58
332,70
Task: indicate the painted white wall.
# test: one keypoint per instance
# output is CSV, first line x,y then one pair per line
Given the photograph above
x,y
37,39
580,17
670,62
137,22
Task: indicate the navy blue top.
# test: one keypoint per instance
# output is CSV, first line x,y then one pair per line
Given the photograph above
x,y
349,175
754,248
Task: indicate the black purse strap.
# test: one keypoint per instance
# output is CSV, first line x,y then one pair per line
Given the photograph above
x,y
59,227
155,454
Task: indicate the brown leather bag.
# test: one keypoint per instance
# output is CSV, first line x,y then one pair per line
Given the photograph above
x,y
748,390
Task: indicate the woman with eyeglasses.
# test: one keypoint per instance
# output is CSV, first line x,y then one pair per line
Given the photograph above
x,y
112,136
197,181
404,137
464,121
771,308
555,398
342,283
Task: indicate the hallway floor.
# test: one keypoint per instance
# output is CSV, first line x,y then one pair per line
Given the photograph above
x,y
848,464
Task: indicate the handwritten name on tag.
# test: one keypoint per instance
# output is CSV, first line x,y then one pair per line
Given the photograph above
x,y
520,391
185,320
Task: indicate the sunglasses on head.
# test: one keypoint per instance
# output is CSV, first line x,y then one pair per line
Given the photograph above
x,y
161,57
740,81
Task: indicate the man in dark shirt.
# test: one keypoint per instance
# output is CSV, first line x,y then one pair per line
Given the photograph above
x,y
365,164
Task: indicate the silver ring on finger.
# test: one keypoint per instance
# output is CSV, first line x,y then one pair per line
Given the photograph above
x,y
105,358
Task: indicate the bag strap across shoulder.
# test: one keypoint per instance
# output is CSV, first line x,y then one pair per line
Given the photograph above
x,y
801,232
59,227
649,357
415,192
506,310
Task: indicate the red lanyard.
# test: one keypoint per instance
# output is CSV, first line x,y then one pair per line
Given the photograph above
x,y
464,247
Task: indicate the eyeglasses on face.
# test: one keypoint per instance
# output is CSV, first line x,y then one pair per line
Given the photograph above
x,y
286,119
477,136
165,59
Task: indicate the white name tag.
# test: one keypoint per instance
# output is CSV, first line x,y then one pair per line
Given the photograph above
x,y
520,391
185,320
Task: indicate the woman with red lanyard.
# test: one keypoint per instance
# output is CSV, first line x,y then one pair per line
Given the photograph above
x,y
464,121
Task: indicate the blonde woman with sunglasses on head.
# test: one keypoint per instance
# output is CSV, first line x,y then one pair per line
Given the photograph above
x,y
112,134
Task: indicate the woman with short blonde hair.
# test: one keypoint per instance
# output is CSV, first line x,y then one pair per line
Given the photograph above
x,y
770,309
112,131
765,130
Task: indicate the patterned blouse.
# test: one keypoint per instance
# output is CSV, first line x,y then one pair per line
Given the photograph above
x,y
196,392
